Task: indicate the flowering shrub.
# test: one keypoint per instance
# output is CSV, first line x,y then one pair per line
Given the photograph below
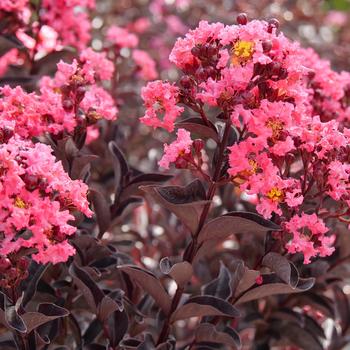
x,y
246,244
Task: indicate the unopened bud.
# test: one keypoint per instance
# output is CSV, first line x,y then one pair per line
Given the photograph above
x,y
198,145
242,19
267,46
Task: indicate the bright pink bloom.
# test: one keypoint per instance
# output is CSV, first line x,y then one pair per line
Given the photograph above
x,y
146,63
10,57
180,147
36,197
98,104
69,19
95,65
160,99
13,5
309,237
121,37
181,54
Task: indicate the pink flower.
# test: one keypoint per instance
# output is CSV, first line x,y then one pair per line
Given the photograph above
x,y
95,64
10,57
181,54
13,5
69,19
121,37
180,147
98,104
140,25
146,64
160,99
309,237
92,134
36,200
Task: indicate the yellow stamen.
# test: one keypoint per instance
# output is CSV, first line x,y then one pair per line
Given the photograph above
x,y
275,194
94,116
20,203
276,126
242,51
77,78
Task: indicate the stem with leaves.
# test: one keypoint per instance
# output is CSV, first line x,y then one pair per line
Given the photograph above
x,y
192,248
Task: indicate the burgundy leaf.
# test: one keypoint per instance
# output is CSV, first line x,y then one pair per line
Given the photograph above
x,y
207,332
273,285
198,127
186,202
150,284
205,305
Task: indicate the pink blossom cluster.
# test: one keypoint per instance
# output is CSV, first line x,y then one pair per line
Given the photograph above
x,y
290,111
119,38
70,98
37,197
69,19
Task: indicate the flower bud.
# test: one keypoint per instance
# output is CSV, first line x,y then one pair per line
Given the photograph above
x,y
267,46
273,23
67,105
31,181
242,19
181,163
202,74
196,51
198,145
186,82
5,263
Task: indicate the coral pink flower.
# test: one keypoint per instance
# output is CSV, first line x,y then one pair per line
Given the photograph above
x,y
160,101
181,54
13,5
309,237
121,37
10,57
69,19
180,147
146,64
95,65
98,104
36,197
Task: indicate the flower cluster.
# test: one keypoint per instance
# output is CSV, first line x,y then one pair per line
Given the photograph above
x,y
290,112
119,38
37,195
71,97
36,199
69,19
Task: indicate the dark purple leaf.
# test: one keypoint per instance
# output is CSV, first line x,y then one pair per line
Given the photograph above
x,y
186,202
273,285
198,127
118,324
220,287
133,187
150,284
36,272
120,165
235,223
79,163
181,273
207,332
342,307
9,316
46,313
87,286
102,211
205,305
278,264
